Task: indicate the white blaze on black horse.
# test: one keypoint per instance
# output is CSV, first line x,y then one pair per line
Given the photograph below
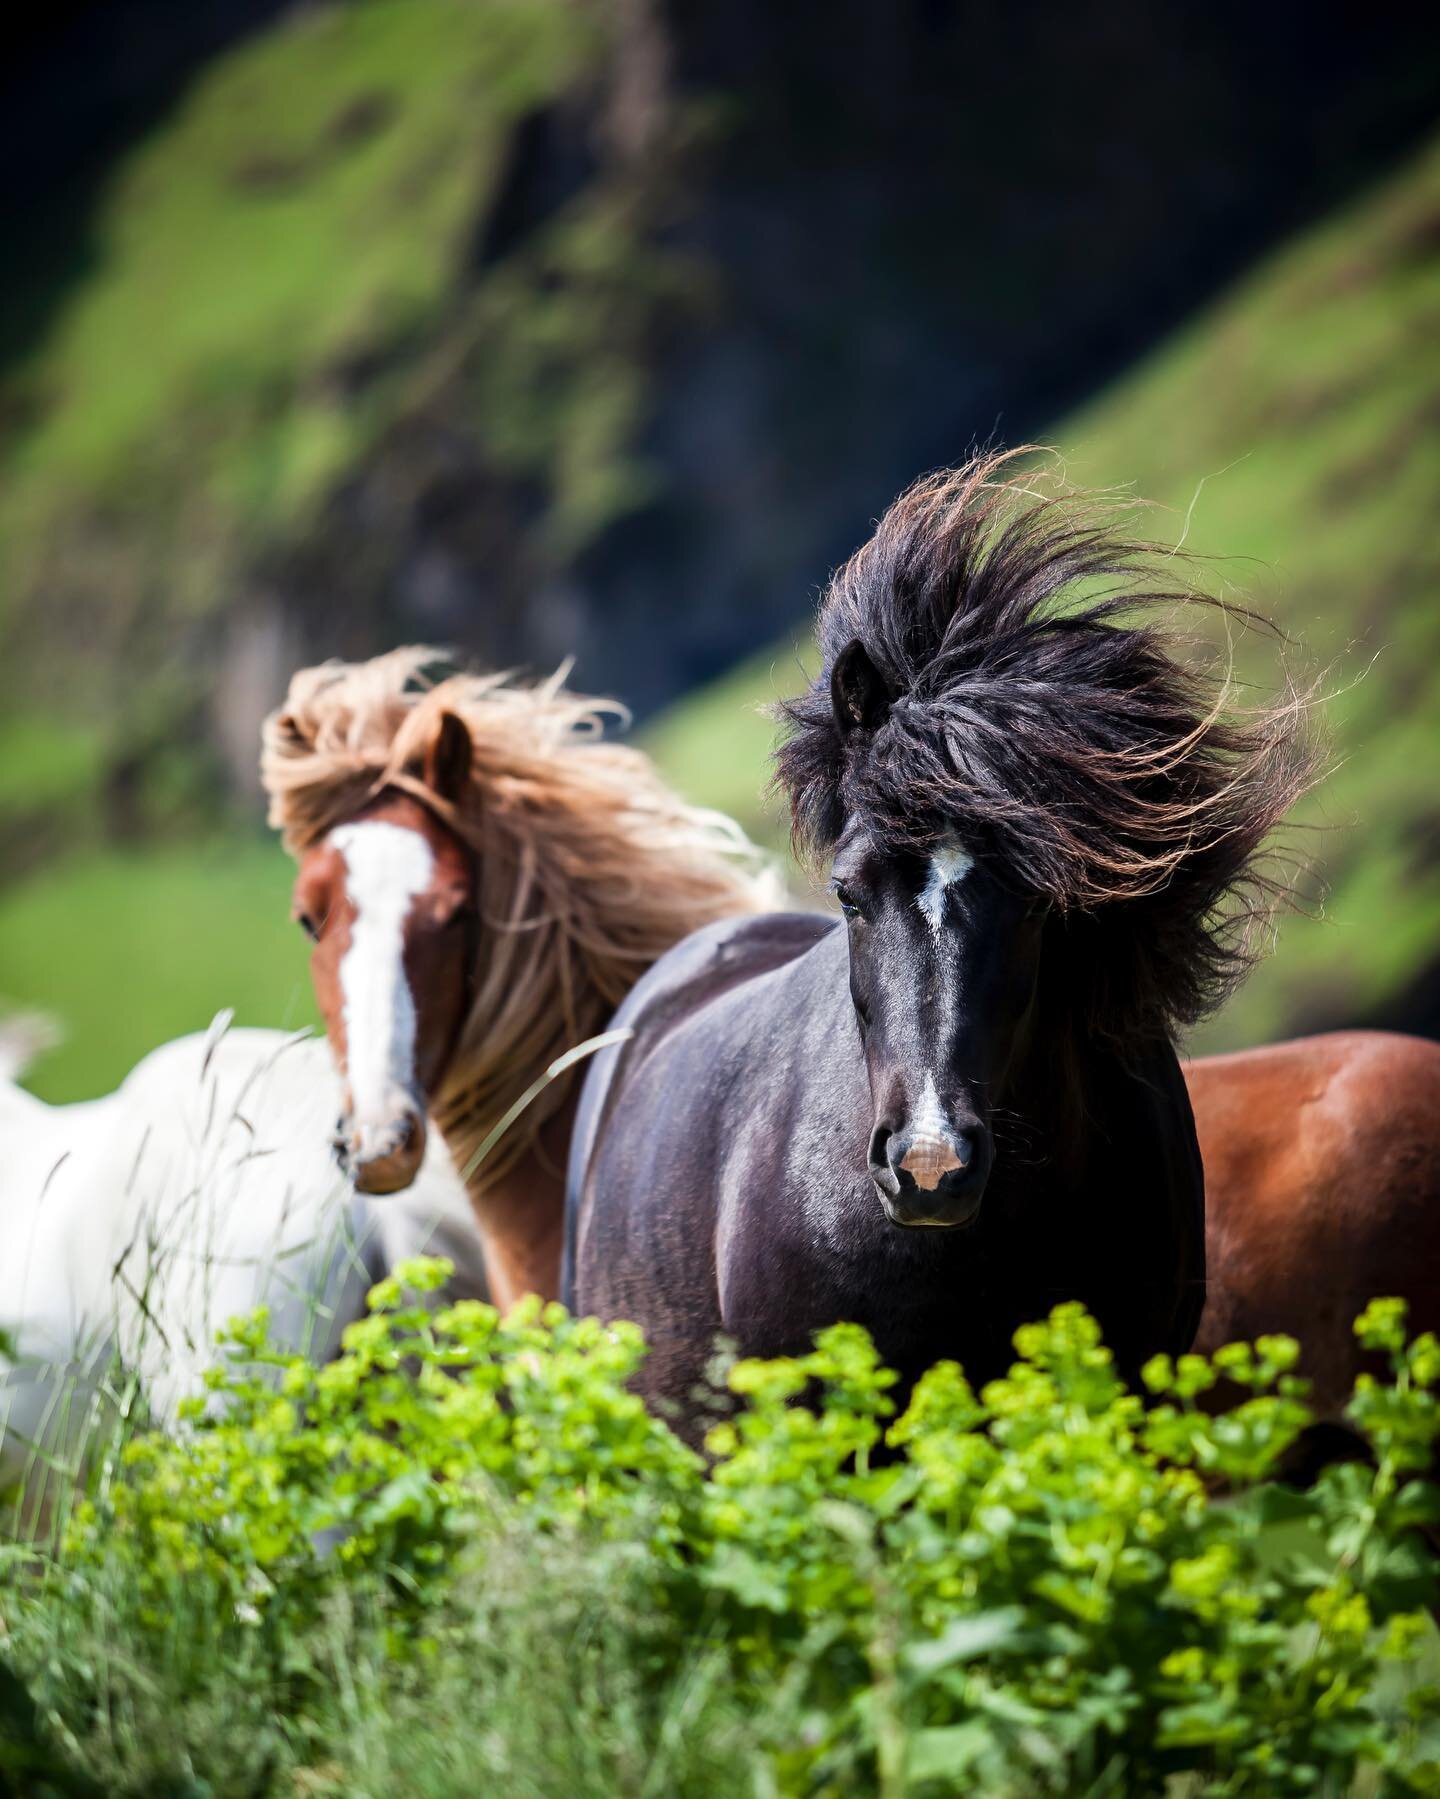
x,y
963,1104
942,977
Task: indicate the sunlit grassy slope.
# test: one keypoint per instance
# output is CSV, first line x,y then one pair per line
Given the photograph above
x,y
277,271
1294,429
125,952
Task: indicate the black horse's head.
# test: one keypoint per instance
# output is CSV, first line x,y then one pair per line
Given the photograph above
x,y
1001,736
944,960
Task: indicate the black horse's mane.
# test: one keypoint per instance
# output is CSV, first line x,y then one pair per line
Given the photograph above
x,y
1038,705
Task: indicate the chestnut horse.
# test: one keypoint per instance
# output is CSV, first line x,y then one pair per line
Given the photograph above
x,y
484,877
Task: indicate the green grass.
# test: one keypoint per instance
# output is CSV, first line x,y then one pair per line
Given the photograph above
x,y
1294,430
129,951
715,745
45,762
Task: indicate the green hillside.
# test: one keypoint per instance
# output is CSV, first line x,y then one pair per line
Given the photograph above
x,y
279,280
125,951
347,140
1294,429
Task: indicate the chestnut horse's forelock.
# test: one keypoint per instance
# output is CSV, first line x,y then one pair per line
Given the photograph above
x,y
1042,713
588,866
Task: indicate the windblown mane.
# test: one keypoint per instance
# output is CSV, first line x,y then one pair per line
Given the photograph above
x,y
588,866
1041,712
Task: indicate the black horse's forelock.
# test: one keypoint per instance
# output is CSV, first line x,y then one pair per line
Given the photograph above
x,y
1040,709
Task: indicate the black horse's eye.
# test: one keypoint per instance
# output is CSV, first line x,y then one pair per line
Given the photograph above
x,y
845,899
308,925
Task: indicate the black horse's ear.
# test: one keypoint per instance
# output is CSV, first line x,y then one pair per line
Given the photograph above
x,y
856,690
447,760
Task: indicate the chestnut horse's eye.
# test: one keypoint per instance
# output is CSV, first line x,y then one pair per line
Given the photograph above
x,y
308,925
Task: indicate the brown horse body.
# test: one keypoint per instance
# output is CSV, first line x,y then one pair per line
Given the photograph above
x,y
1322,1192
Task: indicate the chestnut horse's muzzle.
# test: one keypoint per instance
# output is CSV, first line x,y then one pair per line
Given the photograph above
x,y
382,1158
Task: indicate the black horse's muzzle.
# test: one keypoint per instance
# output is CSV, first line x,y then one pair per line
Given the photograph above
x,y
932,1180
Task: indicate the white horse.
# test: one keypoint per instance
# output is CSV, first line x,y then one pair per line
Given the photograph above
x,y
133,1227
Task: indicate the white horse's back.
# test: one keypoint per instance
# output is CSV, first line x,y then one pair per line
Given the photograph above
x,y
140,1223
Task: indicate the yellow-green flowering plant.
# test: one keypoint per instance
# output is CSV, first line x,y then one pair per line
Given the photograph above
x,y
1032,1588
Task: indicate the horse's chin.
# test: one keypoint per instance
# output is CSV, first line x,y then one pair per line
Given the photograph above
x,y
389,1175
907,1212
381,1159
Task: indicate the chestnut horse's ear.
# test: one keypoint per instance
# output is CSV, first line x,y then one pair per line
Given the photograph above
x,y
288,729
857,692
447,760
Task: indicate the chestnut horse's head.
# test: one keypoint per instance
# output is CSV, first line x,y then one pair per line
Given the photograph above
x,y
485,874
388,899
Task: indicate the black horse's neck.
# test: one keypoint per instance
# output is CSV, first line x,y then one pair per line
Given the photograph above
x,y
1070,1085
1102,1199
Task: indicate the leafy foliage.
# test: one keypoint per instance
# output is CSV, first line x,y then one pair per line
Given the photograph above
x,y
1029,1589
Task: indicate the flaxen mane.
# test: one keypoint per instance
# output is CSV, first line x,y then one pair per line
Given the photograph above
x,y
589,866
1039,709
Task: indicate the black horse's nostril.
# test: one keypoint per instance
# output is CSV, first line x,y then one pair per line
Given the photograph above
x,y
933,1178
951,1163
882,1165
964,1145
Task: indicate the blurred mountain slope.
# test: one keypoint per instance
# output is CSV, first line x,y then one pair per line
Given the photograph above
x,y
288,336
550,327
1293,429
603,326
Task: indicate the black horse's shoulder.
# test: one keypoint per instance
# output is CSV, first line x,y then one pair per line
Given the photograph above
x,y
700,968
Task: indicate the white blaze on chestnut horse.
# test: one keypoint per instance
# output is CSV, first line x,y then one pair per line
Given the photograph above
x,y
485,875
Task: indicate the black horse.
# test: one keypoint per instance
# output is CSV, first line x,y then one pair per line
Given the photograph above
x,y
963,1104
